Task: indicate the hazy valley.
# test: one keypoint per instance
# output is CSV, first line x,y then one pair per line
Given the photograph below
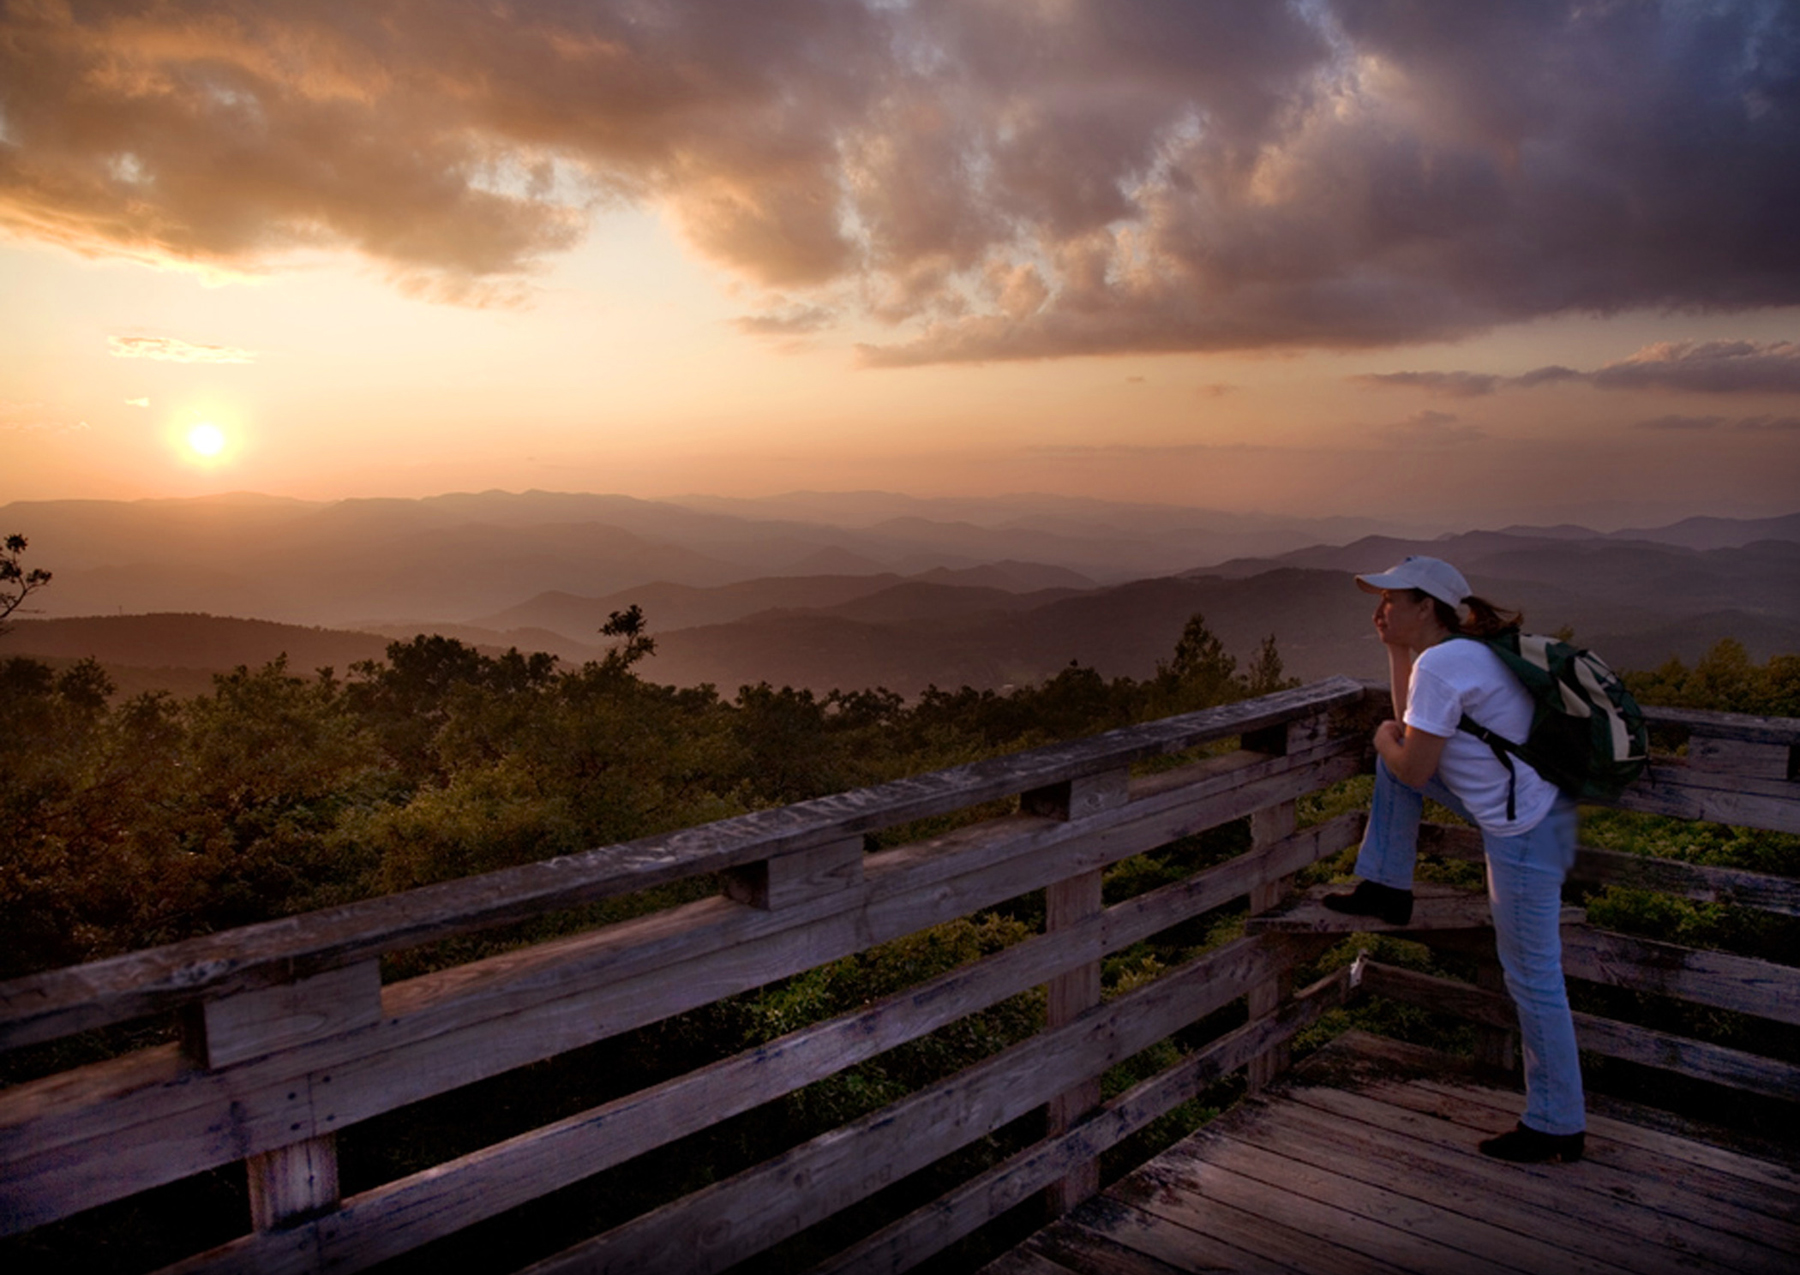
x,y
850,590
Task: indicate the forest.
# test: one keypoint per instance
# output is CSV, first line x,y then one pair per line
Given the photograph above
x,y
135,821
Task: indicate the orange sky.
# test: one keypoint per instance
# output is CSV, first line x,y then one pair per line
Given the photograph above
x,y
1504,266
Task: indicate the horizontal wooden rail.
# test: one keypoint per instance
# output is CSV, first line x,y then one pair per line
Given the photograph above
x,y
289,1036
723,1224
1722,980
1697,881
1745,727
401,1215
119,1127
1610,1038
45,1006
927,1231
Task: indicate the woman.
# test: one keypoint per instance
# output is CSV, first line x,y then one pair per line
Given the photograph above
x,y
1435,681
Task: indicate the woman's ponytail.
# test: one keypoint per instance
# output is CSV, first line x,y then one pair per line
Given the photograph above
x,y
1486,619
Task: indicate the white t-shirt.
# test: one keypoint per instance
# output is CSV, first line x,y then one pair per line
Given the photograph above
x,y
1456,677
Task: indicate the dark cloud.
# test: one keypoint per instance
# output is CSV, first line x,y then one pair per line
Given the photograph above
x,y
1688,424
1777,424
1440,384
998,179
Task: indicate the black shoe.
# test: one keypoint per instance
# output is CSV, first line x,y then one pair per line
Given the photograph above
x,y
1369,899
1525,1145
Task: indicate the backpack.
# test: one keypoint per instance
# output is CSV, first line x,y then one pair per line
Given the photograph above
x,y
1587,733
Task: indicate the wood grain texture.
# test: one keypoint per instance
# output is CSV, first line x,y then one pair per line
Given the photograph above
x,y
398,1216
1698,881
916,1237
44,1006
100,1133
1719,979
723,1224
1610,1038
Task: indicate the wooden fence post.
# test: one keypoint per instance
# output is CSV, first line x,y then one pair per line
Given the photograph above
x,y
1065,903
1267,827
298,1181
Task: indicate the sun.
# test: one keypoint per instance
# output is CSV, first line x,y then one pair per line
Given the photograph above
x,y
206,439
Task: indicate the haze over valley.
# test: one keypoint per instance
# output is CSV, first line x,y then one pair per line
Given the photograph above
x,y
839,591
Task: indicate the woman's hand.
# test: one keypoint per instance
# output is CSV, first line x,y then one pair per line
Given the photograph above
x,y
1412,755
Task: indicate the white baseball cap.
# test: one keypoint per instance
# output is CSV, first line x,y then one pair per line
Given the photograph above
x,y
1433,575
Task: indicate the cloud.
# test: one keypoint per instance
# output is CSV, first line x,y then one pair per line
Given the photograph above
x,y
1430,429
137,402
1439,384
1772,424
1170,451
169,349
997,180
1694,367
795,320
1219,389
1707,367
1688,424
37,418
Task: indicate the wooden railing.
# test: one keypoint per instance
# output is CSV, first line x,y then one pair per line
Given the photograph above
x,y
288,1035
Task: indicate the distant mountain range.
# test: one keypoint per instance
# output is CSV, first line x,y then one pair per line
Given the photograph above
x,y
845,590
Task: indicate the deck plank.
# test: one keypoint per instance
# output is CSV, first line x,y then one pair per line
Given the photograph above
x,y
1660,1176
1660,1211
1610,1234
1364,1159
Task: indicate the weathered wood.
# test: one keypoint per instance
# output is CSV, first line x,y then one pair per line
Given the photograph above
x,y
44,1006
292,1184
1741,757
1496,1045
1079,797
1689,880
1068,996
1267,827
398,1216
1644,872
731,1220
1463,1182
916,1237
101,1133
1086,1253
1158,1239
1743,1234
1742,726
1607,1037
1719,979
1473,1239
799,877
1436,906
252,1024
1633,1197
1674,788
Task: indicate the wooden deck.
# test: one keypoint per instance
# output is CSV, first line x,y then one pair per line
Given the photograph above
x,y
1364,1159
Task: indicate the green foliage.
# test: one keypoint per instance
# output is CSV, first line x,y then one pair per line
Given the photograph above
x,y
1725,679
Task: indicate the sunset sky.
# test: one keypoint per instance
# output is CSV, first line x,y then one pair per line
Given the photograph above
x,y
1475,263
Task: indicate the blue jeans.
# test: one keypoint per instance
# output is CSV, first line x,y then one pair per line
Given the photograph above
x,y
1525,876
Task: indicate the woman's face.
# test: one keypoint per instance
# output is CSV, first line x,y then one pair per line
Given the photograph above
x,y
1403,620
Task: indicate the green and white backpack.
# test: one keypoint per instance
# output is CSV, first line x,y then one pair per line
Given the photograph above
x,y
1587,733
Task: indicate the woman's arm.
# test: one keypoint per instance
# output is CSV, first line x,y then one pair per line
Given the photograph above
x,y
1411,754
1400,662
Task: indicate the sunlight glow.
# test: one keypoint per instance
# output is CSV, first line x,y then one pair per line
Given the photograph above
x,y
206,439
